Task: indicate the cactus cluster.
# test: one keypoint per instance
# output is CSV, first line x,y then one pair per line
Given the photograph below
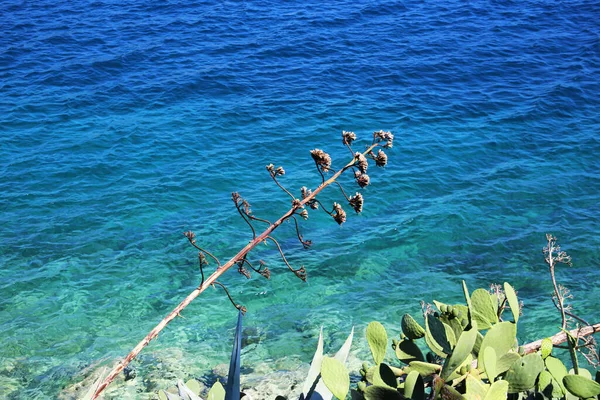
x,y
463,352
467,351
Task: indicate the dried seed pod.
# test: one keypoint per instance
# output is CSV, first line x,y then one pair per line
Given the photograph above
x,y
362,162
384,136
322,159
381,159
348,138
363,180
340,214
356,202
304,214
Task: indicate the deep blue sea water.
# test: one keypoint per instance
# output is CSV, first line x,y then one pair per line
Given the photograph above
x,y
124,124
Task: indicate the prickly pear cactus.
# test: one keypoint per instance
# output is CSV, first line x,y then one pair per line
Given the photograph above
x,y
411,328
546,348
484,310
414,387
523,373
501,337
474,355
581,386
377,339
407,350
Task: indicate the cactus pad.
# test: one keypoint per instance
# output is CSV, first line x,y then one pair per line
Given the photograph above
x,y
377,339
411,328
523,373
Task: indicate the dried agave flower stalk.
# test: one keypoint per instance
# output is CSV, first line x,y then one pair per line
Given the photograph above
x,y
323,162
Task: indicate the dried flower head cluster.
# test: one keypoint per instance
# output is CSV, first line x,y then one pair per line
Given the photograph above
x,y
339,214
356,202
348,137
553,254
279,171
322,159
363,180
380,159
384,136
264,270
191,236
243,270
361,162
312,203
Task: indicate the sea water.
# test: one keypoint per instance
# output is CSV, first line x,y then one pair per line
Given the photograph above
x,y
122,125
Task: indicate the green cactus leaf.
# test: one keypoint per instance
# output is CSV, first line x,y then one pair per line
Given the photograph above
x,y
384,376
546,347
461,351
341,356
453,323
482,321
523,373
407,351
544,380
382,393
581,386
462,368
411,328
582,372
424,368
498,391
477,345
354,395
414,387
504,362
484,311
377,339
513,301
462,310
194,386
433,346
336,377
476,389
494,299
449,393
545,384
558,389
371,373
439,305
501,337
216,392
557,369
435,332
489,363
450,336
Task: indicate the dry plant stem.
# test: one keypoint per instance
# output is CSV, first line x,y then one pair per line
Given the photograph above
x,y
557,339
559,297
561,337
209,281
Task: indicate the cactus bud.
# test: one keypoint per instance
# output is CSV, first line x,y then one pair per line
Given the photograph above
x,y
456,312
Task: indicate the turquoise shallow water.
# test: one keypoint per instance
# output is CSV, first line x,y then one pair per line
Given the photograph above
x,y
122,126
